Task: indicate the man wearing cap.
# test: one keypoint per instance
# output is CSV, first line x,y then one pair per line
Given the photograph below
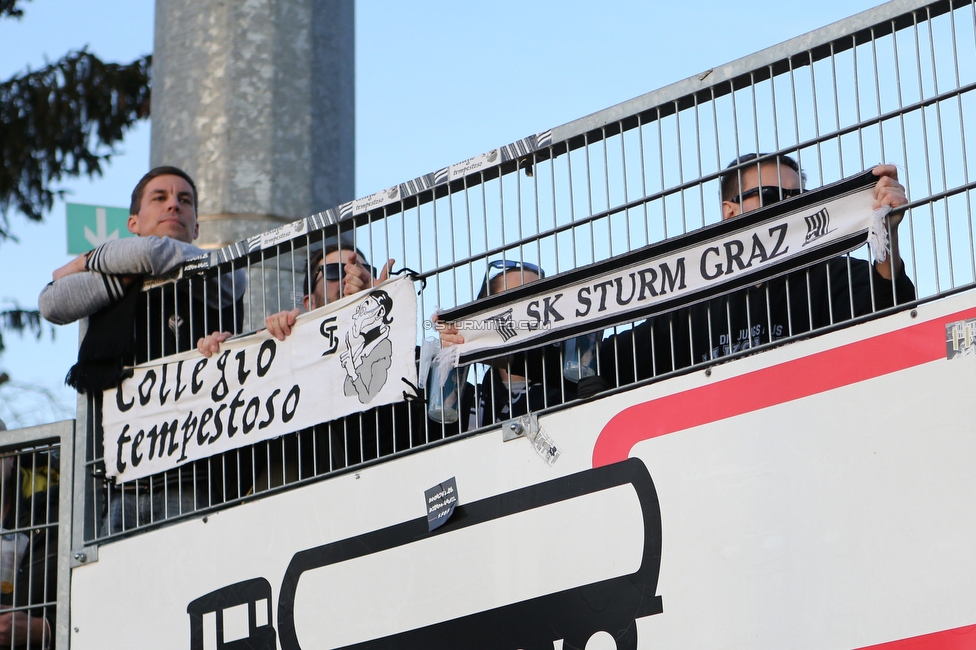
x,y
342,271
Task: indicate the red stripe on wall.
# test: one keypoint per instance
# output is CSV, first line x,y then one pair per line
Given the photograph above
x,y
817,373
960,638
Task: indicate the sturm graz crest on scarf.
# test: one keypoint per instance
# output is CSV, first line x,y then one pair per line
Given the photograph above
x,y
818,225
504,324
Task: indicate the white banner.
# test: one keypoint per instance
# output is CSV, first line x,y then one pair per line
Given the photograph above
x,y
782,237
346,357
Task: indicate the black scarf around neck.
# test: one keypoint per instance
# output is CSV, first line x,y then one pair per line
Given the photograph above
x,y
108,345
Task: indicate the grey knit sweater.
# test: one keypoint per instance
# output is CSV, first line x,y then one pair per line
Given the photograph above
x,y
81,294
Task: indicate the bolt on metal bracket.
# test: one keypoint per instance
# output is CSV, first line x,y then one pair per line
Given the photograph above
x,y
83,556
512,429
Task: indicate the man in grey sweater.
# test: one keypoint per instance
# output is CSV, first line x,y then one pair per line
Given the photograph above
x,y
163,213
165,320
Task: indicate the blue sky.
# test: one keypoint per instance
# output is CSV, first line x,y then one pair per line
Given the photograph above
x,y
436,82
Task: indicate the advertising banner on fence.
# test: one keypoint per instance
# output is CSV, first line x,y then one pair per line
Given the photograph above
x,y
347,357
789,235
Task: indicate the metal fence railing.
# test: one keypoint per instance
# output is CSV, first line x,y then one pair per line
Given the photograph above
x,y
34,546
895,84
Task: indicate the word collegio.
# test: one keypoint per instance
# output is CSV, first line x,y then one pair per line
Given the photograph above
x,y
239,402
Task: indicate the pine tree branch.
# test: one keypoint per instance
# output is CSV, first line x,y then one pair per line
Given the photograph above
x,y
20,320
8,9
64,121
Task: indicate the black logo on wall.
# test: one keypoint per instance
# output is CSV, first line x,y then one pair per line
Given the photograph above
x,y
572,615
255,595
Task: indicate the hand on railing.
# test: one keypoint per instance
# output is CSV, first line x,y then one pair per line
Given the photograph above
x,y
888,191
280,325
210,344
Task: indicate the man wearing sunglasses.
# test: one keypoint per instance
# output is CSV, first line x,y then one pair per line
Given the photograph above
x,y
338,270
770,180
807,299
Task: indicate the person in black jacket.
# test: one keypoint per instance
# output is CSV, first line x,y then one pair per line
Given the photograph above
x,y
516,384
808,299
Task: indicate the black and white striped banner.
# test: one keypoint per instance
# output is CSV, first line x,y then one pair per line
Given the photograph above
x,y
782,237
348,210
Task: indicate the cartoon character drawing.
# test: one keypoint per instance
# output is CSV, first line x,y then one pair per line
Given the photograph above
x,y
369,351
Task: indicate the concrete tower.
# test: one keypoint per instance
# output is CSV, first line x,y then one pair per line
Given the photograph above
x,y
255,100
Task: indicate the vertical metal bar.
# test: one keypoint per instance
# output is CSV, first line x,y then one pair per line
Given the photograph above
x,y
643,170
572,197
837,122
626,189
715,123
816,115
535,200
698,158
606,171
660,158
589,191
857,100
738,144
587,148
451,233
962,132
775,120
756,148
681,167
904,141
572,202
555,209
937,108
796,114
840,150
925,152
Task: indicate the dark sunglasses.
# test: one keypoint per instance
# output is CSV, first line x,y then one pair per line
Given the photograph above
x,y
497,267
335,272
768,194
